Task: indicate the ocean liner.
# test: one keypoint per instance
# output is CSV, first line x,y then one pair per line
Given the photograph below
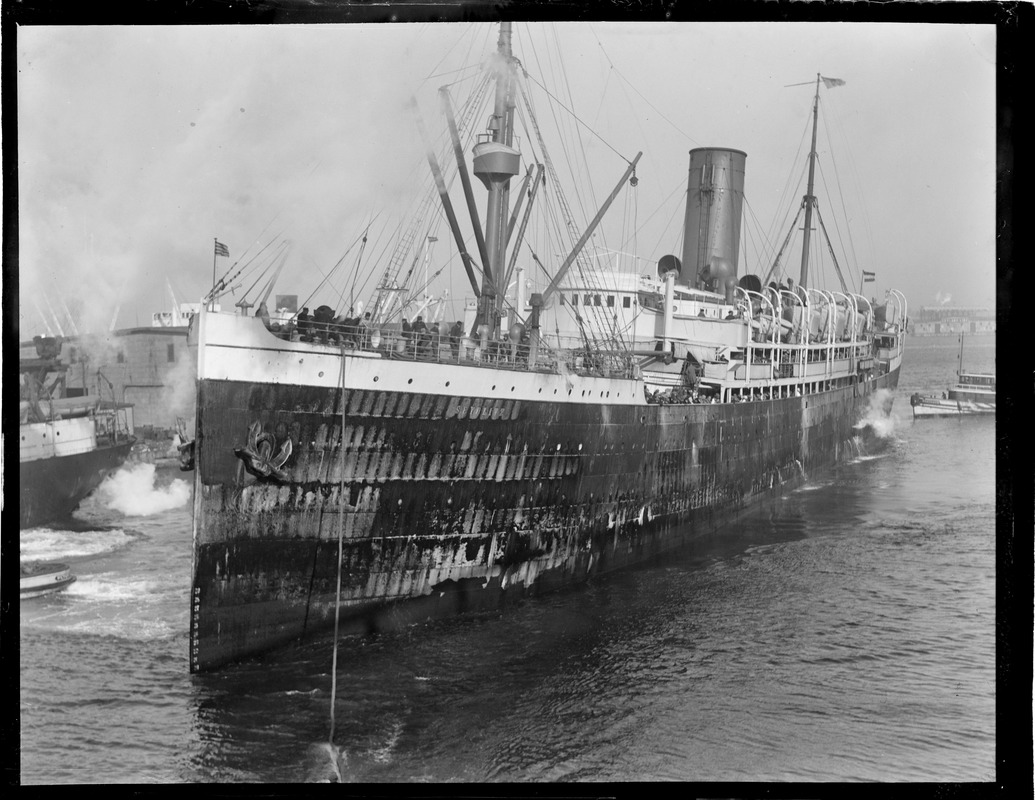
x,y
362,467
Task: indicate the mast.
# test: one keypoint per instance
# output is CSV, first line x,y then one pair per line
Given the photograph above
x,y
809,199
496,161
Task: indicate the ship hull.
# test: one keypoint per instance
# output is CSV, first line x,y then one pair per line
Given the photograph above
x,y
445,504
52,488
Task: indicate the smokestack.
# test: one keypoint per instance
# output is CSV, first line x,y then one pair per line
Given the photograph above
x,y
711,229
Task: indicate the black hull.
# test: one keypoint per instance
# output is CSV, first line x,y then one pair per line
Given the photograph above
x,y
52,488
453,504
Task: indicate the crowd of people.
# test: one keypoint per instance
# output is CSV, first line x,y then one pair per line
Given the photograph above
x,y
415,339
678,395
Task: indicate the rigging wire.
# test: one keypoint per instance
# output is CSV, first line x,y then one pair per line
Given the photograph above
x,y
331,272
857,182
844,210
578,119
675,127
337,596
235,263
837,229
224,283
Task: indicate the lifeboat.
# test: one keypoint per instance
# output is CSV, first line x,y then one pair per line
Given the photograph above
x,y
42,578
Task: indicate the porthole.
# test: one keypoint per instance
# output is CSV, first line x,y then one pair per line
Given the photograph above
x,y
409,380
321,373
375,379
447,383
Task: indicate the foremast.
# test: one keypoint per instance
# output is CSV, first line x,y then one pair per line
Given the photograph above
x,y
496,161
810,198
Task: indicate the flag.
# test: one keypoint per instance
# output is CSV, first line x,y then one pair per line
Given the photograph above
x,y
222,249
869,277
830,83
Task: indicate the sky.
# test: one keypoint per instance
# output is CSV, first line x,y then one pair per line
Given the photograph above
x,y
141,145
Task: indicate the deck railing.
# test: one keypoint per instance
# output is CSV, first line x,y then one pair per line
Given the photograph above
x,y
571,354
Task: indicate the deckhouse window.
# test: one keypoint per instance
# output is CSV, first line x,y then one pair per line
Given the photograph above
x,y
170,353
625,301
596,300
610,301
574,299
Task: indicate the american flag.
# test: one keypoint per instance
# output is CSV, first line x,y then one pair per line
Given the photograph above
x,y
222,249
830,83
869,276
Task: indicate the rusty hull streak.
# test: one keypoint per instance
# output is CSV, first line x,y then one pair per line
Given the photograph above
x,y
454,503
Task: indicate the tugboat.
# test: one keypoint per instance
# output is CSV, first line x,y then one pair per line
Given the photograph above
x,y
974,393
386,473
68,444
44,577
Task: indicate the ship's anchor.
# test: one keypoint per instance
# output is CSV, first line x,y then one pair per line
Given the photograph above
x,y
185,446
258,455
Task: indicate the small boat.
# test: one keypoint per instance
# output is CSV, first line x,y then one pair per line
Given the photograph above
x,y
947,407
44,577
974,393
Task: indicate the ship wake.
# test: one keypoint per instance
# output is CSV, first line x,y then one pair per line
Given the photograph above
x,y
877,419
133,492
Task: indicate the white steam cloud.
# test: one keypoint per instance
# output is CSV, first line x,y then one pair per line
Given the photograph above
x,y
128,174
878,417
132,491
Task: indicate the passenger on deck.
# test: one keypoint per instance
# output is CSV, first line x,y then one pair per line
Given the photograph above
x,y
322,319
422,344
350,329
363,329
456,333
303,324
418,329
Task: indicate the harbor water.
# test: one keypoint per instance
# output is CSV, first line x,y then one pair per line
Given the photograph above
x,y
846,632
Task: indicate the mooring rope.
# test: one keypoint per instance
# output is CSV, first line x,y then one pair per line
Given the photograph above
x,y
337,599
